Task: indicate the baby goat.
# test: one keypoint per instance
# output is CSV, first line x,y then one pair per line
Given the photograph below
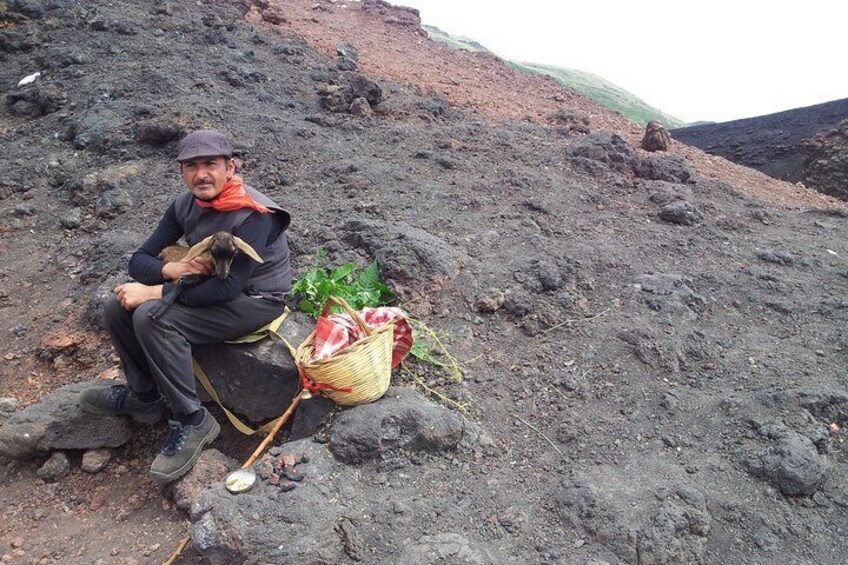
x,y
220,248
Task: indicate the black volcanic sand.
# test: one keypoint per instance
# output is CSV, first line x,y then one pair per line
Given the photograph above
x,y
656,392
778,145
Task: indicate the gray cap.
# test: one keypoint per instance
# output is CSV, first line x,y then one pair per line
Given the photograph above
x,y
204,143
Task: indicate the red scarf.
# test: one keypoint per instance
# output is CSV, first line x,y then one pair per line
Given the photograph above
x,y
233,197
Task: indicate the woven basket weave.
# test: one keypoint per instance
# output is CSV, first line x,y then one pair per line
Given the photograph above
x,y
358,374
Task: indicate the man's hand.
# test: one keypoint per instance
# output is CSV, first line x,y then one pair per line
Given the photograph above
x,y
132,295
197,266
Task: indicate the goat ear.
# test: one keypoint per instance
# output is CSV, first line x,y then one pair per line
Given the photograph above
x,y
247,249
198,249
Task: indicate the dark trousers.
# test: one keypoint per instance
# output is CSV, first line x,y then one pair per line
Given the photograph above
x,y
157,353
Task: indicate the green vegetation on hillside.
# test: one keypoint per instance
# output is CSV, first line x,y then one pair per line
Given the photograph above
x,y
587,84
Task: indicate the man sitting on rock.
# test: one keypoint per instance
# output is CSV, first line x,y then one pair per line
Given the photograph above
x,y
155,352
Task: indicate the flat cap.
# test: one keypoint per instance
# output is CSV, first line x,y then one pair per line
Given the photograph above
x,y
204,143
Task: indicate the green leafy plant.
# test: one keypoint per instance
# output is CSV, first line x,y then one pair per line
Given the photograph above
x,y
359,287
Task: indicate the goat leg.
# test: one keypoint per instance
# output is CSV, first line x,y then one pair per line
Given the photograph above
x,y
173,293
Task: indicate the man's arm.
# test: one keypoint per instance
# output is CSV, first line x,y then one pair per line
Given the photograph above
x,y
150,271
145,266
255,231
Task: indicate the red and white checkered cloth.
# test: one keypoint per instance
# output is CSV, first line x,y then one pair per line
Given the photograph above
x,y
336,331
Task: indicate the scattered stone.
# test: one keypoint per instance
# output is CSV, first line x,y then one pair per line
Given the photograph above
x,y
8,405
776,257
570,122
211,467
113,203
490,300
56,467
656,137
273,15
36,100
360,107
606,149
95,460
682,213
792,461
57,423
348,56
158,131
668,168
670,292
72,220
17,542
402,419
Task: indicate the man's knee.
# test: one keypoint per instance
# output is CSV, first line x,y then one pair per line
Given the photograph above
x,y
114,314
143,324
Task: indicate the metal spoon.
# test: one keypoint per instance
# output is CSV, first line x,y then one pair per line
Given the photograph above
x,y
241,480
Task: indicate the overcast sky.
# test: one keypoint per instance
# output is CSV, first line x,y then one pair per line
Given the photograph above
x,y
712,60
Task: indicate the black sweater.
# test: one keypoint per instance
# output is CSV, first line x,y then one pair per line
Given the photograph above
x,y
258,231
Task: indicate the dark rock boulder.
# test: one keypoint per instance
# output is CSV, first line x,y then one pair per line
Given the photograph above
x,y
669,168
405,253
158,131
270,525
36,100
791,461
349,86
682,213
257,380
311,415
656,138
605,148
568,122
306,504
402,419
57,467
57,422
348,56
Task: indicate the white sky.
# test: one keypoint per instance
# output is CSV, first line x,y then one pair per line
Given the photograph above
x,y
712,60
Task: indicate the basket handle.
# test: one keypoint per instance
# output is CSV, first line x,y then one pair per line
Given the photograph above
x,y
338,301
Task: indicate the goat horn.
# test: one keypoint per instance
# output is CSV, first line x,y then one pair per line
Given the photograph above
x,y
197,249
247,249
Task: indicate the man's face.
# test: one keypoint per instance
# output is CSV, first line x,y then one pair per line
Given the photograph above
x,y
205,177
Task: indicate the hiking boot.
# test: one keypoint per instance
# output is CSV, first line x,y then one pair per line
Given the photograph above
x,y
119,400
182,448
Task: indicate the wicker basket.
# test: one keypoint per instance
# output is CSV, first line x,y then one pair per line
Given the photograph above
x,y
358,374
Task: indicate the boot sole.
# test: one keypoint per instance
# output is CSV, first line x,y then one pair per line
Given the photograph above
x,y
151,418
162,479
